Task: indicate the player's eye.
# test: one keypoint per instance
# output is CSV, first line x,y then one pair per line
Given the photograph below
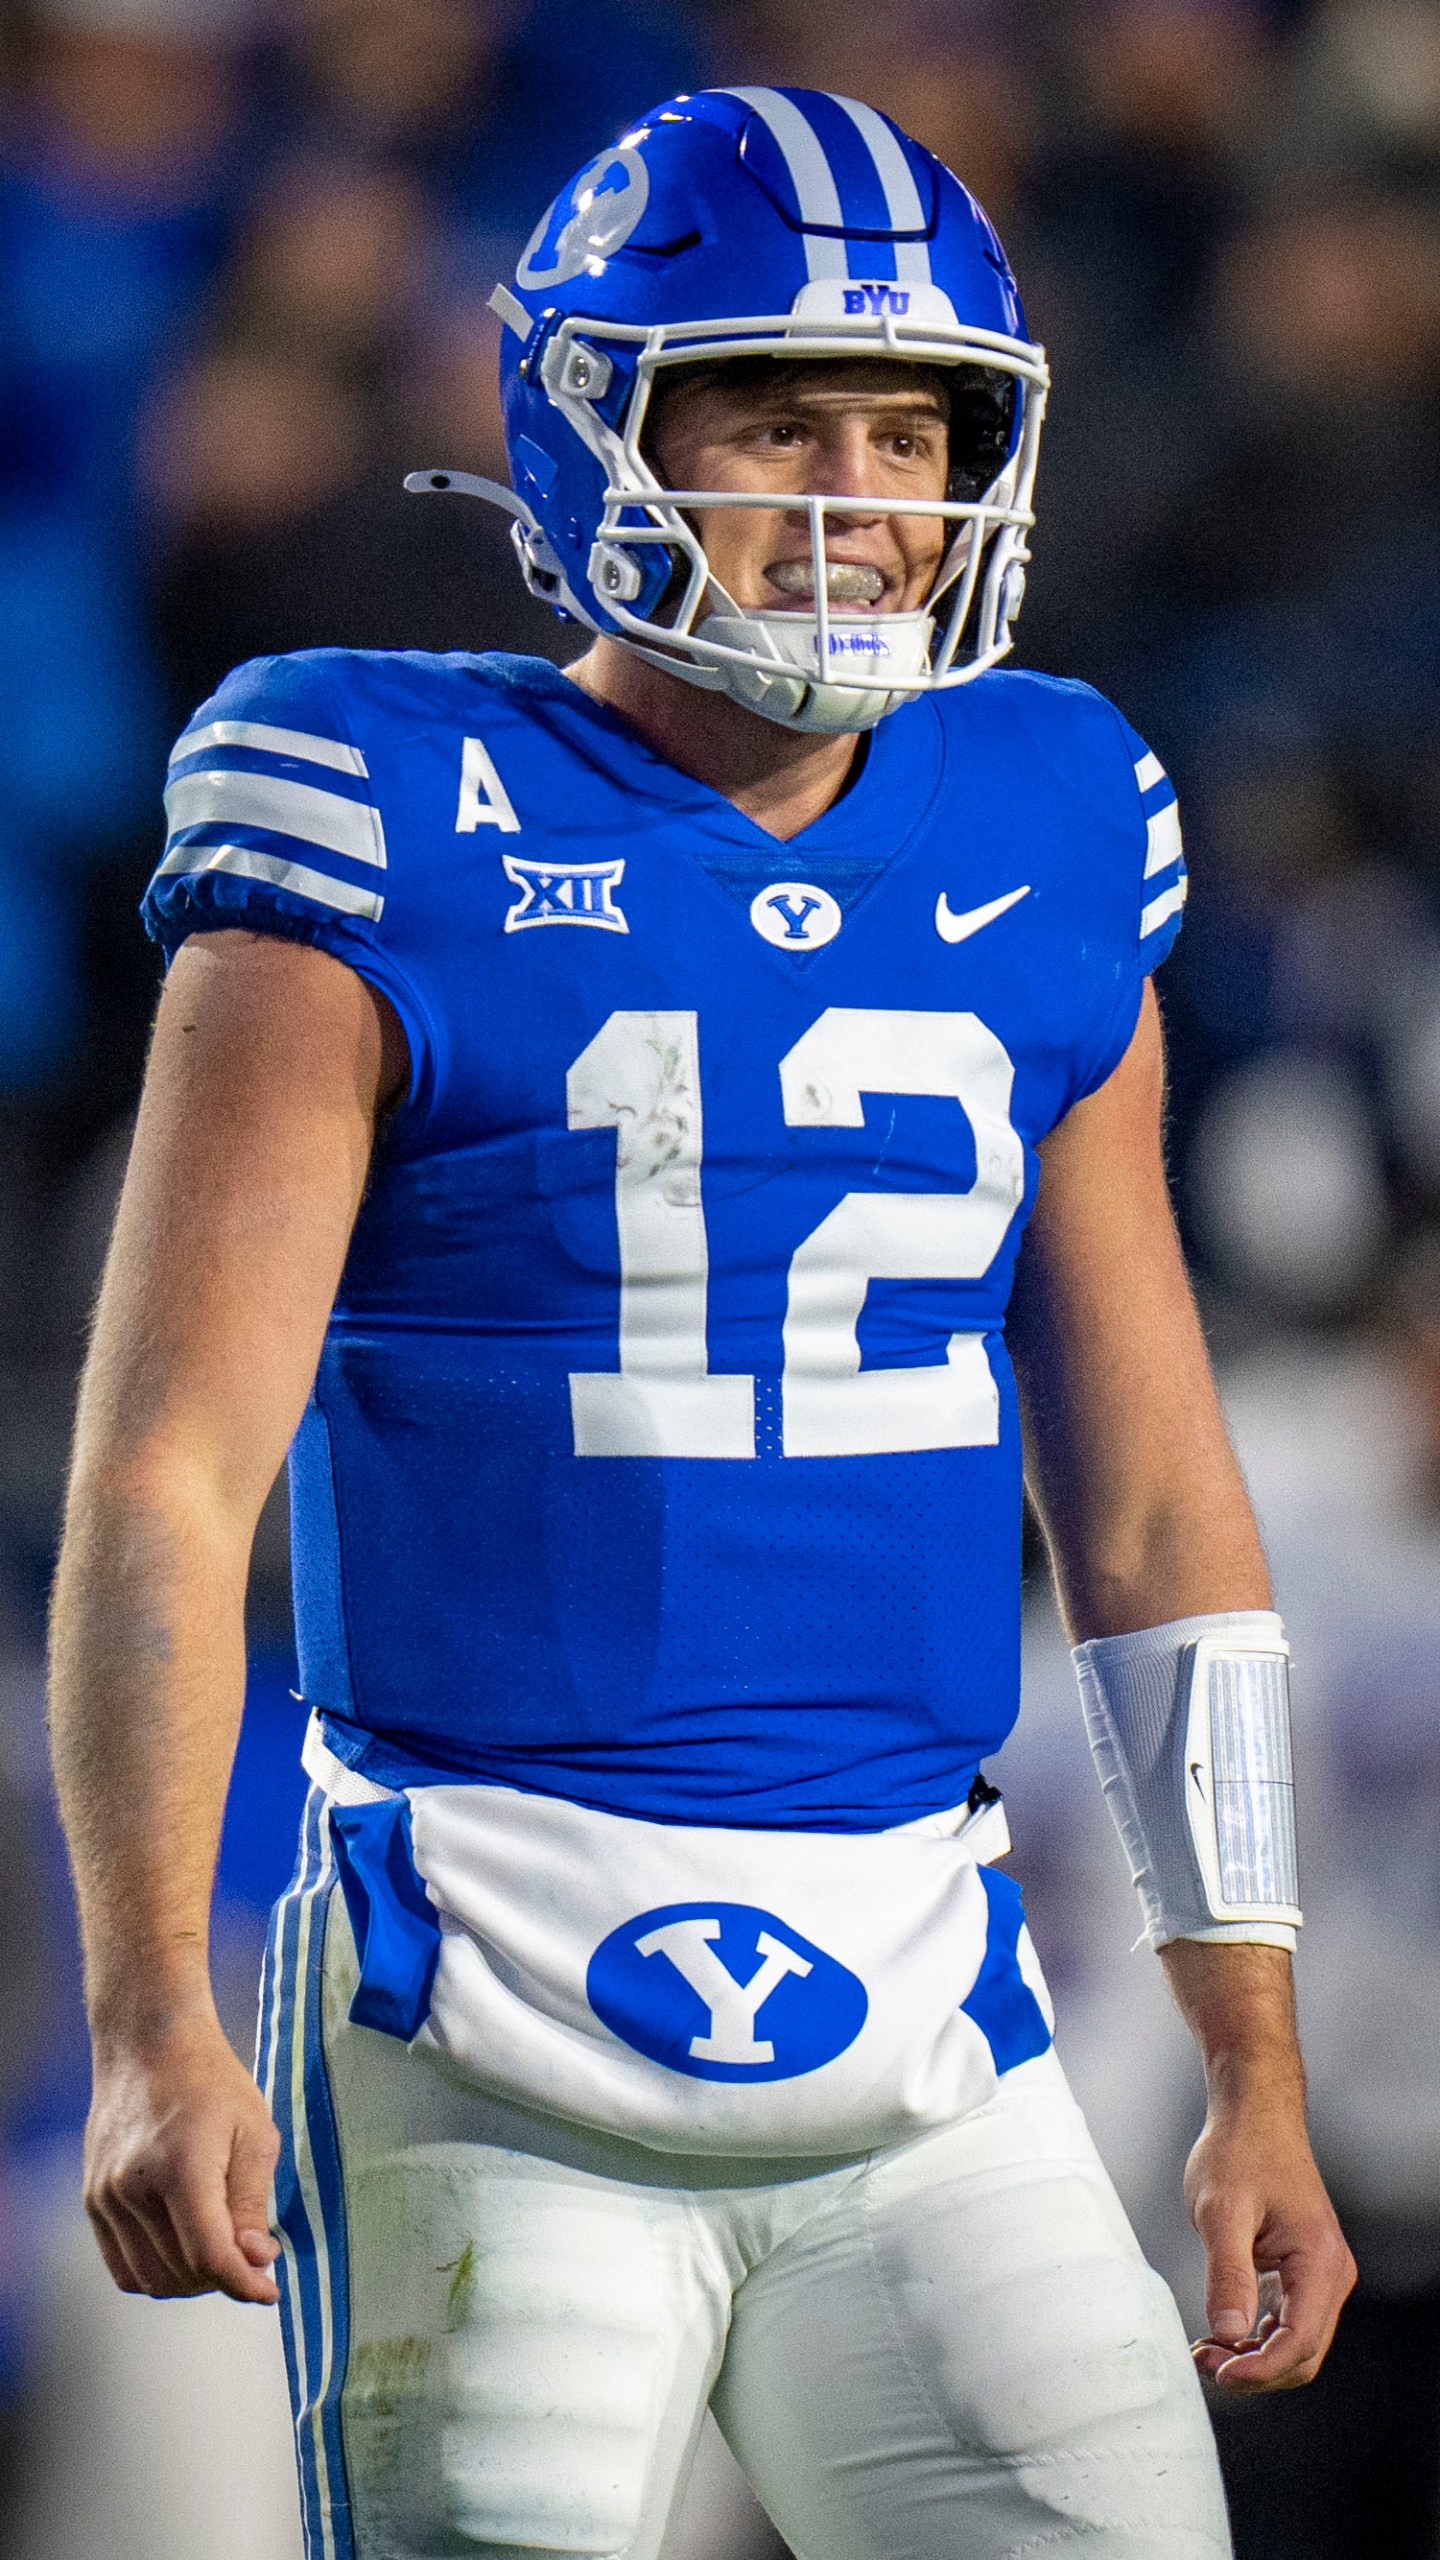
x,y
912,444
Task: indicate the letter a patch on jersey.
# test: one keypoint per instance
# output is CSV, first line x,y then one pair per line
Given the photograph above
x,y
484,800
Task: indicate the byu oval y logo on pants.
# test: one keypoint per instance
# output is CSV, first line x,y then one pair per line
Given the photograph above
x,y
724,1991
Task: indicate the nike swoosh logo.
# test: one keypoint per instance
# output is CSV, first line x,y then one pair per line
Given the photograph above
x,y
953,928
1197,1772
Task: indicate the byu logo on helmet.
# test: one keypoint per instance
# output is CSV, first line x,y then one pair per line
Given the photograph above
x,y
600,209
723,1991
875,299
796,915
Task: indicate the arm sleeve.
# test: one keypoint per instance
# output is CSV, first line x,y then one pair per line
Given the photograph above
x,y
274,827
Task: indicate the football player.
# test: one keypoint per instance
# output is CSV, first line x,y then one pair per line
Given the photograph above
x,y
592,1124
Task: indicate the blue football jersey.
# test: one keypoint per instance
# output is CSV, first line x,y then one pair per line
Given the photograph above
x,y
664,1452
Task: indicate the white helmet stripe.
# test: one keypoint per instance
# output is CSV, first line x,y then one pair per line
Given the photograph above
x,y
810,174
902,196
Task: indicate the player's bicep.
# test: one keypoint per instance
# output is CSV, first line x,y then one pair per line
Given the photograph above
x,y
1121,1415
1101,1273
269,1065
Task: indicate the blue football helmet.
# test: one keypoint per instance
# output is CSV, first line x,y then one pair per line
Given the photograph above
x,y
762,222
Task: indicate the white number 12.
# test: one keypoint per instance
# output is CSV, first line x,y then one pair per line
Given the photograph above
x,y
640,1075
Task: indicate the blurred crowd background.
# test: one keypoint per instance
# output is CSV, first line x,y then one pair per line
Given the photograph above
x,y
244,259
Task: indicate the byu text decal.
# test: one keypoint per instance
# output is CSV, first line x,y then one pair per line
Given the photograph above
x,y
722,1991
874,299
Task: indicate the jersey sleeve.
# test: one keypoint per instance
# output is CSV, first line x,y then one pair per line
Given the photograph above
x,y
1164,884
1144,893
273,826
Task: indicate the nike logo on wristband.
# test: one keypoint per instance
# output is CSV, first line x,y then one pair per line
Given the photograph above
x,y
953,928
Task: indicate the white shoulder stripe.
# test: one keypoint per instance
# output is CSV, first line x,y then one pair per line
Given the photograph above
x,y
1160,910
297,877
1162,839
271,742
810,174
902,196
1148,772
231,799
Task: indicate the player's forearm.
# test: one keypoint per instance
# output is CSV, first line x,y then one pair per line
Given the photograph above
x,y
148,1673
1130,1466
1159,1552
1239,2004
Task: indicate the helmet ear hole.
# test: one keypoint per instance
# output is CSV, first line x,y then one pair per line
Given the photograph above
x,y
982,428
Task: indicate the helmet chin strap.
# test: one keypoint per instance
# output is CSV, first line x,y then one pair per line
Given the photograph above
x,y
789,689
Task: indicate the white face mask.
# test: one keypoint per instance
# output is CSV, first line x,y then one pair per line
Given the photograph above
x,y
823,665
811,668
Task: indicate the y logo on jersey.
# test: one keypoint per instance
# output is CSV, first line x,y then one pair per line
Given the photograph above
x,y
796,915
723,1991
564,893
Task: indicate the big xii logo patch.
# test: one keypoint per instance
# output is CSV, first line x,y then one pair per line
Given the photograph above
x,y
564,893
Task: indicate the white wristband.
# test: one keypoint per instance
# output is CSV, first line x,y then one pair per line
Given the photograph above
x,y
1189,1725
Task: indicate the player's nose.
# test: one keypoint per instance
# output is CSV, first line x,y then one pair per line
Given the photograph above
x,y
845,465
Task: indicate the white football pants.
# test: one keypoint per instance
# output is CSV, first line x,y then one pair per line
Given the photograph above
x,y
503,2330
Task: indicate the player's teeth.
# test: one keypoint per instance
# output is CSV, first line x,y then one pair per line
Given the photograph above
x,y
846,581
849,583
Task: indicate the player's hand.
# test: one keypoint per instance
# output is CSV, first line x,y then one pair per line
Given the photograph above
x,y
1277,2267
179,2154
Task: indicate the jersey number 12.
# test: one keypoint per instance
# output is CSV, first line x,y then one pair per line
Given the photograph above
x,y
640,1075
